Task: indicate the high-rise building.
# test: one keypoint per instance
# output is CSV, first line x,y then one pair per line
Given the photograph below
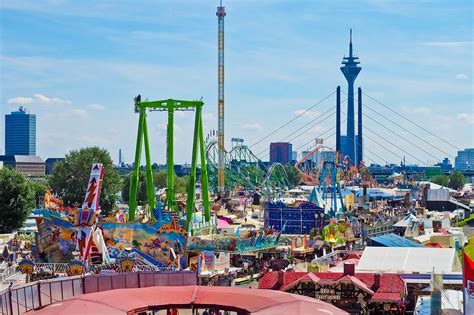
x,y
20,133
324,156
350,71
305,154
445,165
294,156
280,152
464,160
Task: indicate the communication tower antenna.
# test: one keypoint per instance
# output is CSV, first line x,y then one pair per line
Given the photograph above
x,y
220,100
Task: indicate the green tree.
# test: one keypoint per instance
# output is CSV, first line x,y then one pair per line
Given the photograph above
x,y
457,180
160,180
39,189
293,175
442,180
181,184
142,194
17,199
71,175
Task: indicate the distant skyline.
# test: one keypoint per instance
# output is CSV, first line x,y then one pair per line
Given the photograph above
x,y
78,65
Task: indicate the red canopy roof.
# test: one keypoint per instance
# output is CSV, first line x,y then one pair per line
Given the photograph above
x,y
388,290
129,301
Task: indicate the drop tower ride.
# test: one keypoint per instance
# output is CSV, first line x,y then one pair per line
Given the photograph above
x,y
220,98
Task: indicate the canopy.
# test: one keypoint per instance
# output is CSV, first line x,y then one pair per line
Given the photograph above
x,y
409,260
377,193
392,240
406,221
131,301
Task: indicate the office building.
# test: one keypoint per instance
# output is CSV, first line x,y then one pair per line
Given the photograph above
x,y
27,165
445,165
294,156
20,133
280,152
464,160
324,156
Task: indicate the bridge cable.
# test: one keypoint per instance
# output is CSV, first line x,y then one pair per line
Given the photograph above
x,y
293,119
393,144
304,126
401,137
393,111
410,132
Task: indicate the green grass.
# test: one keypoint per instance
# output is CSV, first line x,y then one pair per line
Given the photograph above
x,y
466,221
468,249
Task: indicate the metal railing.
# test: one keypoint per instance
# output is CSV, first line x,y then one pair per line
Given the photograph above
x,y
52,267
31,296
332,257
9,272
62,267
377,230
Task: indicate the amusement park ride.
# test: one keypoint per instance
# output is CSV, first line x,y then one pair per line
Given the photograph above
x,y
170,106
244,170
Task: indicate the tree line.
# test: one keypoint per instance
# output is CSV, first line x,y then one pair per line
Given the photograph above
x,y
455,181
19,195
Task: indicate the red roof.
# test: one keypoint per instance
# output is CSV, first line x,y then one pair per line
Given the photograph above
x,y
434,245
389,290
123,301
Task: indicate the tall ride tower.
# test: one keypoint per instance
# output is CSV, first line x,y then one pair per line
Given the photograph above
x,y
350,71
220,97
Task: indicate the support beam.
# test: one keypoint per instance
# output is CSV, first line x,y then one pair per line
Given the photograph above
x,y
170,198
132,203
204,178
190,201
338,119
360,143
150,189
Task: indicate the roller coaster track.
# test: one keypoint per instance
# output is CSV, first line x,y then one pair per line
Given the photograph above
x,y
245,169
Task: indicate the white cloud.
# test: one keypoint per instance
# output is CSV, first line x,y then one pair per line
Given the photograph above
x,y
308,114
96,107
412,109
209,117
76,113
93,140
467,118
448,44
421,110
461,76
252,126
20,100
38,99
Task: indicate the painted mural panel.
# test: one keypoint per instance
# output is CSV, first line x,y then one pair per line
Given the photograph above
x,y
161,243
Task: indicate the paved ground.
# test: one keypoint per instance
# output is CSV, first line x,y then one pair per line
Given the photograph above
x,y
469,229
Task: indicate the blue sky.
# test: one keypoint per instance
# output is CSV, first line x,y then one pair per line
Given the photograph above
x,y
78,65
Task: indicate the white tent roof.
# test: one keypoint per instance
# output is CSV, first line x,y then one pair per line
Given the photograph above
x,y
409,260
406,221
436,186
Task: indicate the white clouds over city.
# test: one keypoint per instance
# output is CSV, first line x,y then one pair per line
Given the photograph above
x,y
37,99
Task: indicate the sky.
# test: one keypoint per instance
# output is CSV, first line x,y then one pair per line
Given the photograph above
x,y
78,64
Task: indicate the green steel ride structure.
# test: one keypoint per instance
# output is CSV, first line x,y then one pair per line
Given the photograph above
x,y
170,106
244,169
